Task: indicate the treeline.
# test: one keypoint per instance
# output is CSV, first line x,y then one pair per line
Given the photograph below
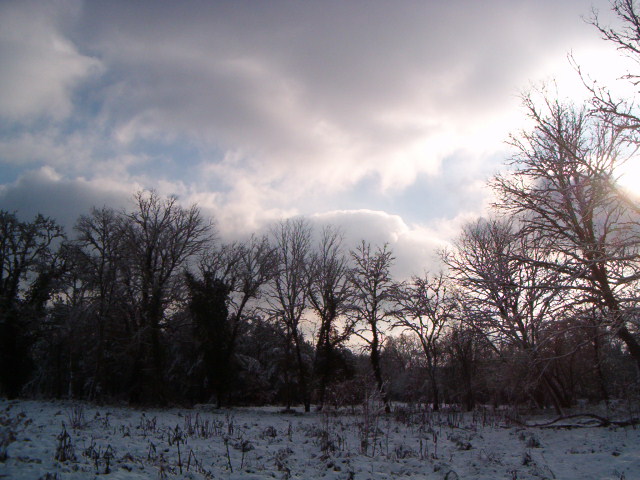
x,y
536,304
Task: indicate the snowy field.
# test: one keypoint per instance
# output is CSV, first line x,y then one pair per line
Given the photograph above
x,y
63,440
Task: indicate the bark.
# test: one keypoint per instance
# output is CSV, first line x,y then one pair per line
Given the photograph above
x,y
302,375
377,371
434,387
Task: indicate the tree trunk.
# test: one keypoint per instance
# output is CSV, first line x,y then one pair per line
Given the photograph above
x,y
322,370
157,390
302,374
630,341
598,362
618,325
287,371
434,389
325,361
97,386
377,372
556,397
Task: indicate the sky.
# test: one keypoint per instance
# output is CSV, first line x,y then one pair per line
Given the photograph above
x,y
384,118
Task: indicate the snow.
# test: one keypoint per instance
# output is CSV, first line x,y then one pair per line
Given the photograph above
x,y
265,443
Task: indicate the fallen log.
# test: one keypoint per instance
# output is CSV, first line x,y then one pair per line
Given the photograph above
x,y
593,420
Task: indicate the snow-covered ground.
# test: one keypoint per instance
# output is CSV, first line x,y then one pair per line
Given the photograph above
x,y
64,440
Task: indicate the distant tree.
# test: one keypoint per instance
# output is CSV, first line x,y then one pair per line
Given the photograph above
x,y
30,265
508,297
426,305
230,278
330,294
98,267
208,300
403,356
159,237
373,302
247,267
264,363
287,296
466,352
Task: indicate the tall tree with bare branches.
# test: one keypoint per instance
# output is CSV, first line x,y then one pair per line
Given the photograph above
x,y
373,305
160,238
330,296
560,188
508,297
426,306
221,302
99,262
287,297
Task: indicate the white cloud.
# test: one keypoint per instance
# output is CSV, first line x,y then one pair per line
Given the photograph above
x,y
40,67
286,107
324,97
414,247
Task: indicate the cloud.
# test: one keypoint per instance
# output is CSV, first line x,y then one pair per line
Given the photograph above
x,y
237,214
390,116
47,192
40,66
415,247
324,96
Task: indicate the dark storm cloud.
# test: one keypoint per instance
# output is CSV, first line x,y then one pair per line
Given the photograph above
x,y
45,191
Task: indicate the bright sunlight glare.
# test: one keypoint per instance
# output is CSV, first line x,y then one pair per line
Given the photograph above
x,y
629,176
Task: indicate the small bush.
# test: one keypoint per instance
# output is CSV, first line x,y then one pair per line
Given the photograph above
x,y
64,449
76,417
49,476
269,432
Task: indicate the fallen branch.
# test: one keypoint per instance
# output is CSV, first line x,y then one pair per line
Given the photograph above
x,y
592,421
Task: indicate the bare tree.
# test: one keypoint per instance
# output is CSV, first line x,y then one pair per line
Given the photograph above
x,y
466,350
560,189
287,298
161,237
330,294
626,38
426,306
230,278
246,267
99,267
509,298
373,301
